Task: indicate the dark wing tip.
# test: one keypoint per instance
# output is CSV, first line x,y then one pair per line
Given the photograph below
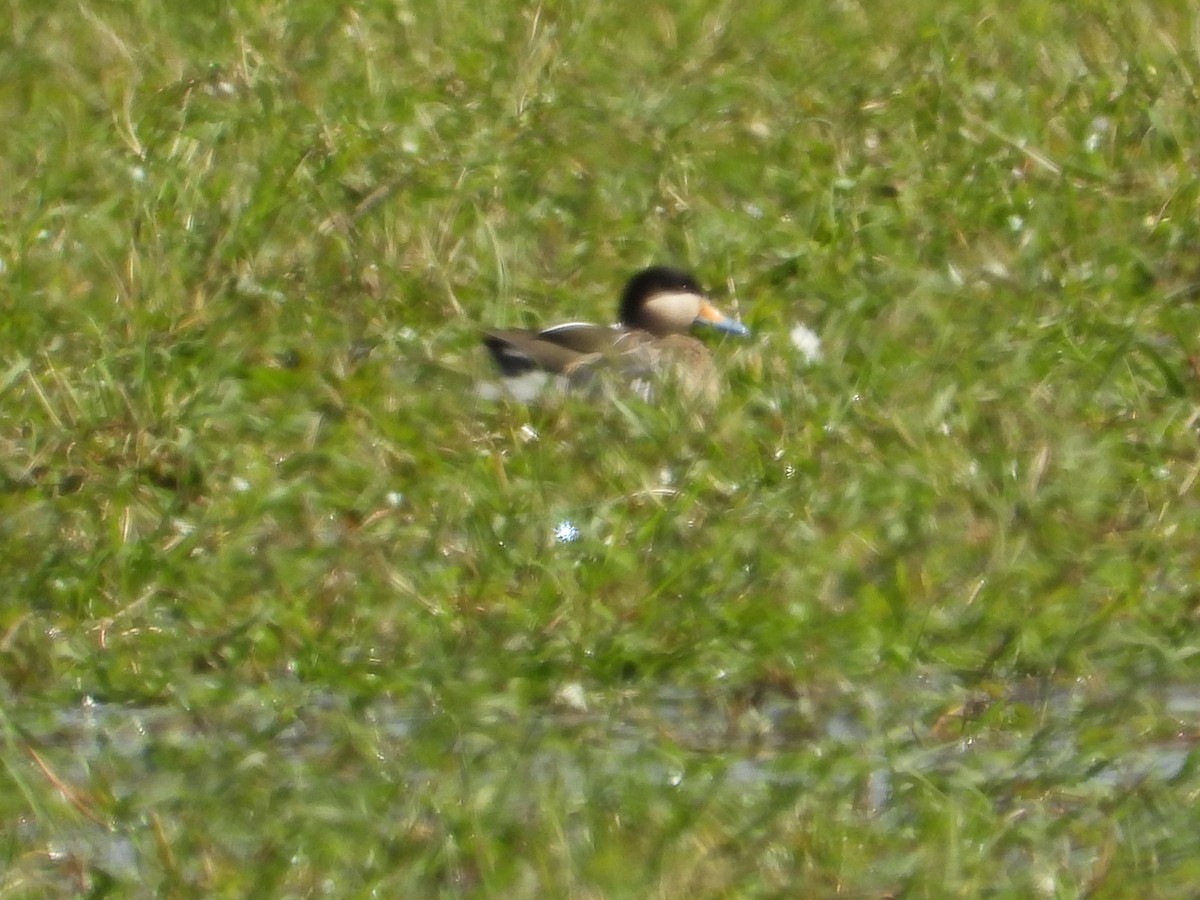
x,y
508,358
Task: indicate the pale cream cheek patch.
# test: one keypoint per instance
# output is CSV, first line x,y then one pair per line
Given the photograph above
x,y
677,307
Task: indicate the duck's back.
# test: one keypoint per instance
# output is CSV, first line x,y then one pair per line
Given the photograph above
x,y
558,349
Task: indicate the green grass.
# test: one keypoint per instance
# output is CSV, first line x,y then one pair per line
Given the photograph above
x,y
284,613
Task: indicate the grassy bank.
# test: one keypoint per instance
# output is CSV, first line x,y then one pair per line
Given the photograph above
x,y
290,610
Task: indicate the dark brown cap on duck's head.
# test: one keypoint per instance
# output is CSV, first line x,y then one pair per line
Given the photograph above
x,y
663,300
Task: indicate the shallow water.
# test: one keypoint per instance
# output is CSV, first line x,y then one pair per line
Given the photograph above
x,y
864,741
756,737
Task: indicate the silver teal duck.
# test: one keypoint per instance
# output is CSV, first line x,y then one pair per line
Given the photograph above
x,y
659,307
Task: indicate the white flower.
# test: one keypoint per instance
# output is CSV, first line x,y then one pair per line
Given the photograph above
x,y
807,342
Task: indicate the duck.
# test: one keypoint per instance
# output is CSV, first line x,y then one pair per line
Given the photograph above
x,y
659,306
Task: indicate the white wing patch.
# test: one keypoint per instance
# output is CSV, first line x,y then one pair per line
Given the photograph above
x,y
565,326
